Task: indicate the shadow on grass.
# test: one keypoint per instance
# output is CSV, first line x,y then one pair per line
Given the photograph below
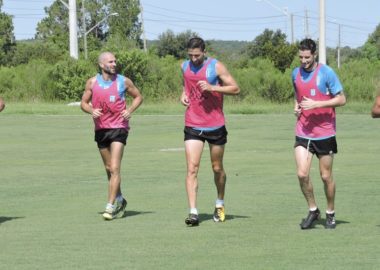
x,y
322,222
5,219
204,217
132,213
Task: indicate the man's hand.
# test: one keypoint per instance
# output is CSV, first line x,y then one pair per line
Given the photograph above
x,y
308,103
185,100
126,114
96,113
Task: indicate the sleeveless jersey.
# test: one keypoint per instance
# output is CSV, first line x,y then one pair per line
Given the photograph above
x,y
317,123
205,108
110,97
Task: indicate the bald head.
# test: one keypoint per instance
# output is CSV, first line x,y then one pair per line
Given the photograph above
x,y
104,56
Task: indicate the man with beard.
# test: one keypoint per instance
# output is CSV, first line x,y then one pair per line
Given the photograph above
x,y
317,92
206,81
104,99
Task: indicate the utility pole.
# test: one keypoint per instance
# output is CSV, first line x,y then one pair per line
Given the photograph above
x,y
291,28
84,30
284,11
307,35
72,6
322,32
338,58
143,26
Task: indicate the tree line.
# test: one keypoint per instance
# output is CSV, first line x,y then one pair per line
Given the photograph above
x,y
41,69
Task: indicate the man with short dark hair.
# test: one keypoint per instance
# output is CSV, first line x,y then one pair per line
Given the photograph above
x,y
104,99
317,92
206,81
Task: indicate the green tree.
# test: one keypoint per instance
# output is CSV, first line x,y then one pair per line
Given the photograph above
x,y
126,25
371,48
273,45
54,28
6,37
172,44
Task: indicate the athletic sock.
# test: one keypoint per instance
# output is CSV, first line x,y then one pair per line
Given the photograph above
x,y
330,212
194,211
120,198
219,203
313,209
110,206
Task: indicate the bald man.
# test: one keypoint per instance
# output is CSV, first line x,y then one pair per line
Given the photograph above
x,y
104,98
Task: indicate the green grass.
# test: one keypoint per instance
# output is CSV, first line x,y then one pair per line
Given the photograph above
x,y
174,107
53,187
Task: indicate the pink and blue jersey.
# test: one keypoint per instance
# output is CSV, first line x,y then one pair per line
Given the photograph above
x,y
206,108
320,84
110,97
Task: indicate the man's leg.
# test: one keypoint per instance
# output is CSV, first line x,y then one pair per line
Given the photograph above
x,y
112,161
216,154
325,167
193,149
303,161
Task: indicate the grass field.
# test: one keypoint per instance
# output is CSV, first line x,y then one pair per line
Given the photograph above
x,y
53,188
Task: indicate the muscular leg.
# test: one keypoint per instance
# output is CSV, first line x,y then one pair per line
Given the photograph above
x,y
216,154
325,168
193,149
112,161
303,162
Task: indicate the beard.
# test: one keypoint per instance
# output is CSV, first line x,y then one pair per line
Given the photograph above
x,y
109,71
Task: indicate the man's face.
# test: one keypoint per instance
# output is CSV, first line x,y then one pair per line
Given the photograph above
x,y
108,64
307,59
196,56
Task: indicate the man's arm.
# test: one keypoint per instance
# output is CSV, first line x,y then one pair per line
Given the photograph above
x,y
336,101
133,92
229,85
86,99
375,112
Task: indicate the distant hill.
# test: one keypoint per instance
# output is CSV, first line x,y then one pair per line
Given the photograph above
x,y
219,47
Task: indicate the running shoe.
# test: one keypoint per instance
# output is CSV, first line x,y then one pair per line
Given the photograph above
x,y
120,206
219,214
307,223
108,214
330,221
192,220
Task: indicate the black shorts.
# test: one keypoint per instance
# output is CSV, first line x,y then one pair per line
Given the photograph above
x,y
104,137
319,147
217,136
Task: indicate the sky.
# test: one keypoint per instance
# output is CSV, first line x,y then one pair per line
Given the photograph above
x,y
232,20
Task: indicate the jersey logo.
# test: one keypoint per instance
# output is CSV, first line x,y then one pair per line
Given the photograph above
x,y
112,98
312,92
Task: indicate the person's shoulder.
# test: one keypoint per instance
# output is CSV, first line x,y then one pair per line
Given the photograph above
x,y
185,64
295,71
91,81
326,68
120,77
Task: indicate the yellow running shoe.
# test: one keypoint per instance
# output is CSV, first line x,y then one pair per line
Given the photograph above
x,y
219,214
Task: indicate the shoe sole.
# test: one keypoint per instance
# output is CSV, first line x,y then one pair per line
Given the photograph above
x,y
218,219
107,216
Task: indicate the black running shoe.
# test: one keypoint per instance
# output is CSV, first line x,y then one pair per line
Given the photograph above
x,y
120,207
330,221
192,220
307,223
